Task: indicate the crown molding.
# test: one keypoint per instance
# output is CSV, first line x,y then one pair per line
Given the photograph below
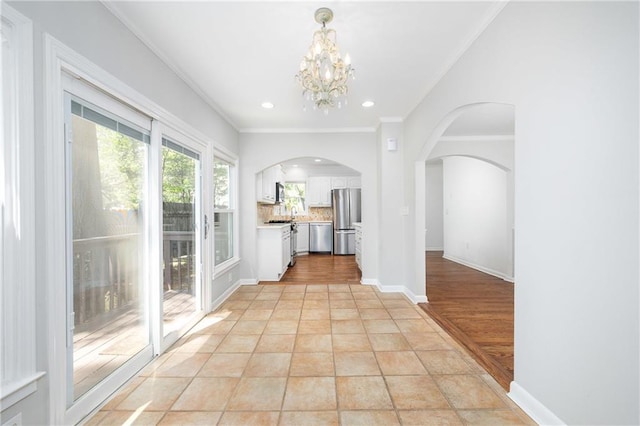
x,y
477,138
111,7
309,130
391,119
474,34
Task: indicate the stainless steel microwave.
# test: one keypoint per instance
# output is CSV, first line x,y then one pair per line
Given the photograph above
x,y
279,192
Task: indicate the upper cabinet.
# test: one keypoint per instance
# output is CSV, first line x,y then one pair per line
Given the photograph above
x,y
266,184
319,192
340,182
354,182
319,188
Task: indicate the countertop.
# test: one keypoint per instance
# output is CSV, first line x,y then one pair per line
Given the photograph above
x,y
274,226
282,225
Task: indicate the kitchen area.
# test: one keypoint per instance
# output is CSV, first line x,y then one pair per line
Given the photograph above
x,y
309,222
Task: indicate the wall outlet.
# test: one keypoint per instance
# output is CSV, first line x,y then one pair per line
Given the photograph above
x,y
14,421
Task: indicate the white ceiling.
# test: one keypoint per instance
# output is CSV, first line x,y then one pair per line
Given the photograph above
x,y
238,54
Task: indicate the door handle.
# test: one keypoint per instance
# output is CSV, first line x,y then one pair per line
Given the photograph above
x,y
206,226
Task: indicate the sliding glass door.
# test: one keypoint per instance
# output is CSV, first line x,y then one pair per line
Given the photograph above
x,y
107,227
181,243
133,242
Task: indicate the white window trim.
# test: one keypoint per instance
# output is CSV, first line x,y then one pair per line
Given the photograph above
x,y
18,279
224,267
163,341
305,212
58,59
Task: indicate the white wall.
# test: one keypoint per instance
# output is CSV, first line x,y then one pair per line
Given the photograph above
x,y
494,150
475,214
89,29
434,220
354,150
92,31
571,71
393,205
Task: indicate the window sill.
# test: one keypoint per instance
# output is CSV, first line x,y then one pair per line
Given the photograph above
x,y
225,266
12,393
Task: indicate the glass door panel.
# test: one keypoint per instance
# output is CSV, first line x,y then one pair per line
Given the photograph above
x,y
181,244
106,293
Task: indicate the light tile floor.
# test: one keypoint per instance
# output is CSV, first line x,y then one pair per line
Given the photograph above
x,y
310,355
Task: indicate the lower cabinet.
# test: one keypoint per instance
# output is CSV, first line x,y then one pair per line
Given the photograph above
x,y
359,246
302,239
274,252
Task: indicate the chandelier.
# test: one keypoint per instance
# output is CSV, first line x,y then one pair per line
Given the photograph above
x,y
323,74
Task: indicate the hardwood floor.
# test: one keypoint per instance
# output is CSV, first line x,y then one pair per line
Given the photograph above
x,y
476,309
323,269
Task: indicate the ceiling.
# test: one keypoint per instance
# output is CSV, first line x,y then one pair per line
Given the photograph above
x,y
238,54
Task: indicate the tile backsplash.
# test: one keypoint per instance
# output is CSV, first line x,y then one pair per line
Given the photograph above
x,y
267,212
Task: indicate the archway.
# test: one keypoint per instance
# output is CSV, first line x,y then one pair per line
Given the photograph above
x,y
320,252
472,153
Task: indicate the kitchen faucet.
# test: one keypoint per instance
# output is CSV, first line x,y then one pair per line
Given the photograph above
x,y
294,212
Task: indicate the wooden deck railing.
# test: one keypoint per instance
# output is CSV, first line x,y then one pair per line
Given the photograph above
x,y
106,272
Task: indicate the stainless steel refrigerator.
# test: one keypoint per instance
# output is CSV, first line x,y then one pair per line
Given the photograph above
x,y
346,211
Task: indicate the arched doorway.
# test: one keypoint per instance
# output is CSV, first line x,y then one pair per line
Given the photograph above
x,y
320,252
468,211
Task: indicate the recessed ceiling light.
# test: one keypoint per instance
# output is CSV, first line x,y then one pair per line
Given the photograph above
x,y
317,160
267,105
368,104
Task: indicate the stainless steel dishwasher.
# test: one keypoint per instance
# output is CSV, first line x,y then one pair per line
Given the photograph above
x,y
320,237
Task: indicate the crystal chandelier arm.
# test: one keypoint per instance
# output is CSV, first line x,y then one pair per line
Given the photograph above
x,y
323,74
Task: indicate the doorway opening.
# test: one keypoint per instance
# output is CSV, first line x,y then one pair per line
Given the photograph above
x,y
469,234
320,200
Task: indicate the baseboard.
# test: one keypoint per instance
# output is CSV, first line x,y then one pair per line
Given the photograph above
x,y
248,281
394,289
369,281
534,408
434,249
224,296
480,268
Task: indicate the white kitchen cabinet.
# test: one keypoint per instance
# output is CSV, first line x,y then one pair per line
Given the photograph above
x,y
286,250
319,191
339,182
266,184
274,251
358,228
354,182
302,239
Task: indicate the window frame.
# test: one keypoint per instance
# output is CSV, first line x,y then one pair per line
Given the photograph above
x,y
232,160
304,212
19,370
58,61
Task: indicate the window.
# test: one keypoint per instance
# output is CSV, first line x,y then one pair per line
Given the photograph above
x,y
224,220
295,197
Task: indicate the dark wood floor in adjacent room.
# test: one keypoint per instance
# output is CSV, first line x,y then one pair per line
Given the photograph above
x,y
323,269
476,309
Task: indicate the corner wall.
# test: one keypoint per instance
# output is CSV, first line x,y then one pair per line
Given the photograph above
x,y
571,70
259,151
